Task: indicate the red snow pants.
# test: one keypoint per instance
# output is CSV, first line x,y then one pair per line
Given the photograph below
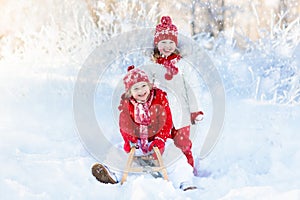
x,y
182,140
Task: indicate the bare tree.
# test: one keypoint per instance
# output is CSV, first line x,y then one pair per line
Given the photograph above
x,y
207,16
113,16
283,12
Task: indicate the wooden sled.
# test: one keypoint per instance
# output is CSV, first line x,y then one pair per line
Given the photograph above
x,y
159,166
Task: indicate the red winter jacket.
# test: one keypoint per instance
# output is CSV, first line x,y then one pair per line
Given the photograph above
x,y
160,114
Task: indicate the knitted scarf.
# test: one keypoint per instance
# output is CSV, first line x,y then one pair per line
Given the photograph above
x,y
169,64
142,117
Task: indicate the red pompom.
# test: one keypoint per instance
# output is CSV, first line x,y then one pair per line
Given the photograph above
x,y
166,21
130,68
168,76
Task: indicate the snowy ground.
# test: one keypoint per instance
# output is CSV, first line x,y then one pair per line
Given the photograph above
x,y
42,156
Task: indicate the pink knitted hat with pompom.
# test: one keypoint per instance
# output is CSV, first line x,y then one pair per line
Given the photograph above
x,y
134,76
165,31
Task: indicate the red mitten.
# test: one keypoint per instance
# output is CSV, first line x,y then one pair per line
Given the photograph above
x,y
128,145
196,117
159,143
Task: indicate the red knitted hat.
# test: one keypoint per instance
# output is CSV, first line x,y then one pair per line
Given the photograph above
x,y
165,31
134,76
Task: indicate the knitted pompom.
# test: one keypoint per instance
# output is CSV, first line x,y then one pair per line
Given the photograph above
x,y
130,68
166,21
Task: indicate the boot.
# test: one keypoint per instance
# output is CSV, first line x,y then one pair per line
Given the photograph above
x,y
103,174
187,186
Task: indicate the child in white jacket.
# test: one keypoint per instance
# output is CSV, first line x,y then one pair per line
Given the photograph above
x,y
174,75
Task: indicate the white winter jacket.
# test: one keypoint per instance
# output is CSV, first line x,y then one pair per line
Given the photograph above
x,y
181,96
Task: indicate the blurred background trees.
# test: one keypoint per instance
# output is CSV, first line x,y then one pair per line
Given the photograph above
x,y
246,18
253,43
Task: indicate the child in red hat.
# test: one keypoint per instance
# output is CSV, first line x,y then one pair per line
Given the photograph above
x,y
145,121
145,117
167,55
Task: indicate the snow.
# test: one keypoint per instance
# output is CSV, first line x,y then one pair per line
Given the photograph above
x,y
271,4
43,156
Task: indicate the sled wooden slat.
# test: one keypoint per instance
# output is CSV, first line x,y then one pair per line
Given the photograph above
x,y
129,169
128,165
161,164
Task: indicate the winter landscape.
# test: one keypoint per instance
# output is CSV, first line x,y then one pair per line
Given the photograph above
x,y
43,153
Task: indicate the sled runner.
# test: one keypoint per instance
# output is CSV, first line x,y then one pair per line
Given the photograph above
x,y
147,164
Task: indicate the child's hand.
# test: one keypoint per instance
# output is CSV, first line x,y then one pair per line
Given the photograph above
x,y
196,117
128,145
159,143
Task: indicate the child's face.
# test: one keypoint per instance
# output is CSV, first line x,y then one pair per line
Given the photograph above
x,y
140,91
166,47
